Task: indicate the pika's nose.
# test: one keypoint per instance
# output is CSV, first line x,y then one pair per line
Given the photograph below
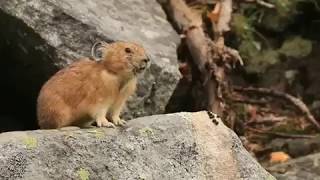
x,y
146,60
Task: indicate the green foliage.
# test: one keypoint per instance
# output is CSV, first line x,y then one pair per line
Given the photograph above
x,y
296,47
272,21
285,8
283,15
242,27
258,60
263,60
257,50
249,49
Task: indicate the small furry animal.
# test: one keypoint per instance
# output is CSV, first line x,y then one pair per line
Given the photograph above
x,y
88,90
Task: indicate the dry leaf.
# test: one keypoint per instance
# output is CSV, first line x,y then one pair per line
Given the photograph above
x,y
220,16
215,13
279,157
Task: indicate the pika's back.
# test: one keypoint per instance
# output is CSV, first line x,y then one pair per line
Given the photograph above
x,y
70,80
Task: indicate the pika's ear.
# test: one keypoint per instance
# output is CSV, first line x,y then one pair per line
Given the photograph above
x,y
96,50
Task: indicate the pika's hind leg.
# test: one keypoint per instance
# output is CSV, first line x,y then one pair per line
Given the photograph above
x,y
53,117
118,105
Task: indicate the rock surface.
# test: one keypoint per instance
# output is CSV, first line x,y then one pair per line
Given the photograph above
x,y
172,146
306,168
44,35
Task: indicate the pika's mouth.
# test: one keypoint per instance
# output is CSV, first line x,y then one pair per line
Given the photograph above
x,y
142,66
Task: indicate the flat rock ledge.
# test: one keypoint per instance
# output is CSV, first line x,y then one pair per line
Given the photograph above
x,y
170,146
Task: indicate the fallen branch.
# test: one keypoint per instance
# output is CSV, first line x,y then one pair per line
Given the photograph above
x,y
261,3
267,119
249,101
282,135
265,4
293,100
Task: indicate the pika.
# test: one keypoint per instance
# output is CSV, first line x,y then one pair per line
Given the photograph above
x,y
92,90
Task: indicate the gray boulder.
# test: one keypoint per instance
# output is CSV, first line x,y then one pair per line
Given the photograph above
x,y
172,146
306,168
41,36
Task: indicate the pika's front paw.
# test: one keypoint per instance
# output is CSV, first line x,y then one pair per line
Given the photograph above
x,y
105,123
119,122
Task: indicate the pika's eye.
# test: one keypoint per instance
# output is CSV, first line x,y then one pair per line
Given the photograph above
x,y
127,50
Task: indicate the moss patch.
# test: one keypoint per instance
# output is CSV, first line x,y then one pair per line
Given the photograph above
x,y
146,131
98,133
83,174
30,142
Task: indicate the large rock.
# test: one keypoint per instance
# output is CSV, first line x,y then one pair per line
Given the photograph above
x,y
40,36
172,146
306,168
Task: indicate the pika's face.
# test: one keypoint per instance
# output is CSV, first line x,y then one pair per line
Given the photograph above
x,y
125,57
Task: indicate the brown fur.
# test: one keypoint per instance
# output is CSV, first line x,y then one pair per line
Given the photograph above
x,y
88,91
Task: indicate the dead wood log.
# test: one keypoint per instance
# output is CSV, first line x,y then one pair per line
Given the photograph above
x,y
190,23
